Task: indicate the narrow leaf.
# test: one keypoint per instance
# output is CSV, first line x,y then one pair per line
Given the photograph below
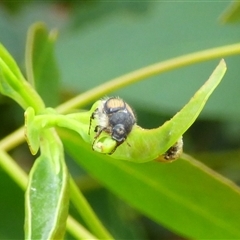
x,y
46,200
185,196
42,71
144,145
232,13
14,85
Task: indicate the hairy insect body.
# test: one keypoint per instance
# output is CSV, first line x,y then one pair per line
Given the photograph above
x,y
114,116
174,151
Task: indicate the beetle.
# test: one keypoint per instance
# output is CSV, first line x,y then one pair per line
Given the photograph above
x,y
115,117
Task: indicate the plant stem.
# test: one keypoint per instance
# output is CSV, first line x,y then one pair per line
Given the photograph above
x,y
12,140
87,213
77,230
13,170
119,82
147,72
21,178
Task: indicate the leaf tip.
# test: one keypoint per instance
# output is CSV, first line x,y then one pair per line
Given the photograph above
x,y
223,63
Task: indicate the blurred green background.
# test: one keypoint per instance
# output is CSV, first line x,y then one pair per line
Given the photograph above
x,y
99,41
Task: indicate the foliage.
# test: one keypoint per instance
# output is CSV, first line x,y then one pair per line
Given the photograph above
x,y
178,196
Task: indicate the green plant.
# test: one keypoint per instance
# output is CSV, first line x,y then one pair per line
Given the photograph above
x,y
149,187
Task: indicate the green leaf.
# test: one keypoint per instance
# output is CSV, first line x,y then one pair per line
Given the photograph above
x,y
161,93
232,13
32,132
13,84
9,61
87,214
11,211
34,124
46,200
184,196
42,71
144,145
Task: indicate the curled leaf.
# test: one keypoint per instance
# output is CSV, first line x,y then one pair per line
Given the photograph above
x,y
32,132
35,124
144,145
